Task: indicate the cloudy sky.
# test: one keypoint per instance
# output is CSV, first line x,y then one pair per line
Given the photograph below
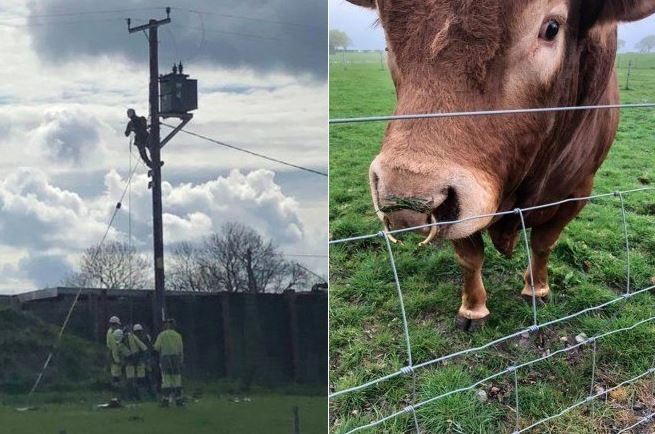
x,y
70,70
358,24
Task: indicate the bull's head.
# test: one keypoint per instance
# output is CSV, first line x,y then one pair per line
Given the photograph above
x,y
471,55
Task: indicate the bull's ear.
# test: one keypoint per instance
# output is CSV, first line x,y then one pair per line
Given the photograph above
x,y
625,10
364,3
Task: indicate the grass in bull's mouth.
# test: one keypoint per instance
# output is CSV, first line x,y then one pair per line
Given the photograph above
x,y
587,268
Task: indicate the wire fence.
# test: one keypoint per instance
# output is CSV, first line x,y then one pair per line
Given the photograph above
x,y
411,368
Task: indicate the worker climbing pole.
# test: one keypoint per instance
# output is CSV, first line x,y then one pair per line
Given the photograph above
x,y
139,126
178,97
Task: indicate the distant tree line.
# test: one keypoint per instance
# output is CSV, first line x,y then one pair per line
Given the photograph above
x,y
236,259
338,40
646,45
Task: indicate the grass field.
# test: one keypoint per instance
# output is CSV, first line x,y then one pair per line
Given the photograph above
x,y
586,269
209,415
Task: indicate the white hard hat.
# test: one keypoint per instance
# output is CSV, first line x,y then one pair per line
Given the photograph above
x,y
118,334
137,328
114,320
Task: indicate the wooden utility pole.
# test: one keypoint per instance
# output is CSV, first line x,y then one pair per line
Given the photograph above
x,y
154,141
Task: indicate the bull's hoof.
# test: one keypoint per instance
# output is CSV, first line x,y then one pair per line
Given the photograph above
x,y
468,324
541,292
539,300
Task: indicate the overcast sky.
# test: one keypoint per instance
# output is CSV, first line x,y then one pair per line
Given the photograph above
x,y
70,70
358,23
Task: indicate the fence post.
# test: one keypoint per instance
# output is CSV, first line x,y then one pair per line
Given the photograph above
x,y
296,420
98,321
103,313
190,327
294,334
627,82
228,346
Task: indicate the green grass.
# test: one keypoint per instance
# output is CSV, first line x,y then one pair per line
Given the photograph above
x,y
587,268
25,342
371,57
209,415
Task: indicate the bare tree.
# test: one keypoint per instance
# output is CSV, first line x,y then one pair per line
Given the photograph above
x,y
185,271
295,277
113,265
220,259
237,259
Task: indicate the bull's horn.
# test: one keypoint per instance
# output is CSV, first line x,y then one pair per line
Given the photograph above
x,y
433,232
389,236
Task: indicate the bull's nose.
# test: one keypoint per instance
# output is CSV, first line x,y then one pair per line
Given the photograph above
x,y
405,219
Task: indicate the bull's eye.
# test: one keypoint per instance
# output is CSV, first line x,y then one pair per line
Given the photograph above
x,y
549,30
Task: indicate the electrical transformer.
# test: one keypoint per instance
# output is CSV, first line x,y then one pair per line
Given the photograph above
x,y
178,94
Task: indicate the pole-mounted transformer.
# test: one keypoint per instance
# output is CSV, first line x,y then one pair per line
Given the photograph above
x,y
178,93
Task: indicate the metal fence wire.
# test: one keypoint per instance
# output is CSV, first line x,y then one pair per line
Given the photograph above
x,y
411,368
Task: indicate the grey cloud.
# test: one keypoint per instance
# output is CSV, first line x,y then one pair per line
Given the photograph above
x,y
219,38
68,136
44,270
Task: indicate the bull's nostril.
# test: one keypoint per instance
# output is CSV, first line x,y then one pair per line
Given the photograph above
x,y
448,210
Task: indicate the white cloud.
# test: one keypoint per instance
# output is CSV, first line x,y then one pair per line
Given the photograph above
x,y
191,227
47,227
36,214
68,136
253,197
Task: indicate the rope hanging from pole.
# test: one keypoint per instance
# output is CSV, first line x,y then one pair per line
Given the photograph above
x,y
129,230
55,347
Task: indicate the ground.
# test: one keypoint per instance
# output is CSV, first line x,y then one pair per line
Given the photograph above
x,y
76,382
587,268
265,413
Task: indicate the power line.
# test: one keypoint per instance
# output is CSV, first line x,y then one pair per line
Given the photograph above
x,y
115,11
311,272
226,32
243,17
195,11
256,154
41,24
202,28
100,12
292,255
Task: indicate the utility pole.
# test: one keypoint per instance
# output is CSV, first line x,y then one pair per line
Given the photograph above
x,y
159,303
178,97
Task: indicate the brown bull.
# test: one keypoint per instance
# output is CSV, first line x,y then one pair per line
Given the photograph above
x,y
471,55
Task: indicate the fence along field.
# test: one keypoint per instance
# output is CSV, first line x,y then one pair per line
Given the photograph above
x,y
590,372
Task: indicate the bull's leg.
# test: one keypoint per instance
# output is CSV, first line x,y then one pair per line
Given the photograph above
x,y
543,240
473,312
